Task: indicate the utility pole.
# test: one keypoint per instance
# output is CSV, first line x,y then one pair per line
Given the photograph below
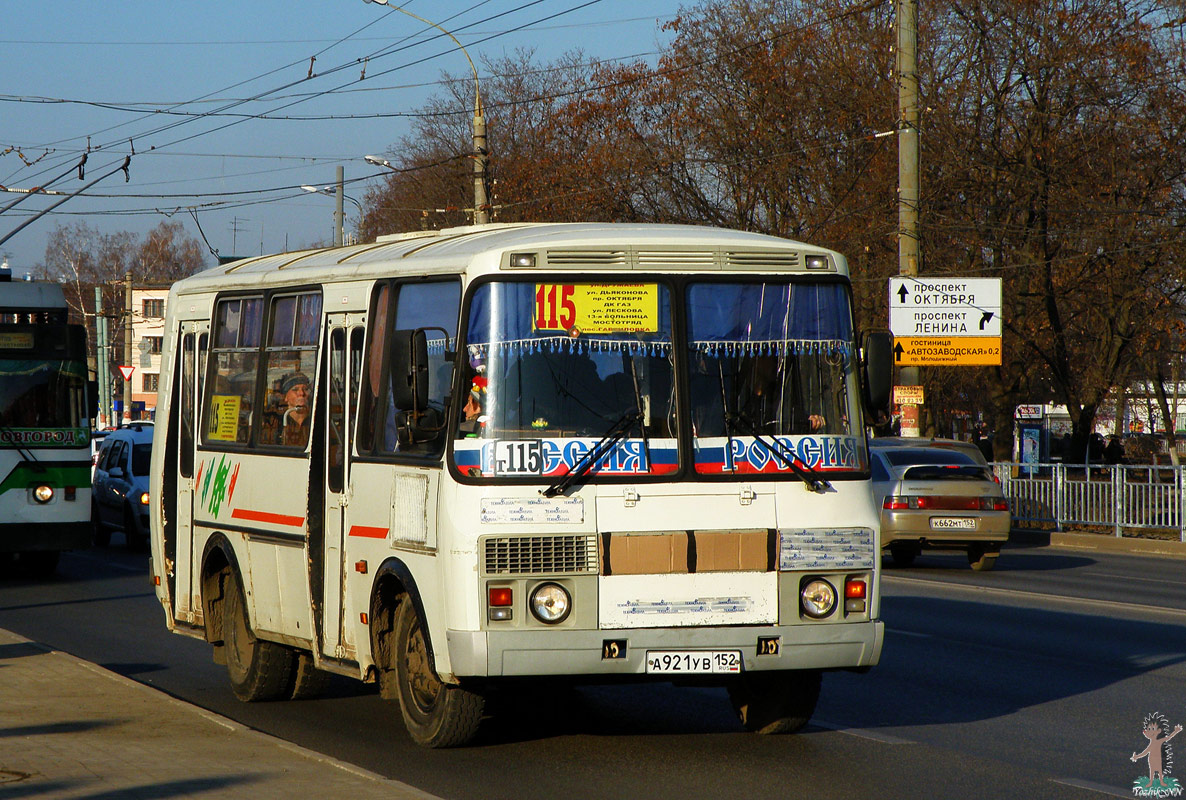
x,y
127,415
908,183
481,205
102,361
339,214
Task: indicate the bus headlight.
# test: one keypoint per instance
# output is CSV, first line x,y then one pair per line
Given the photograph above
x,y
550,603
817,598
43,493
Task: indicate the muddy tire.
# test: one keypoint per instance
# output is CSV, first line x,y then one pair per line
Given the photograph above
x,y
258,670
307,680
436,714
775,702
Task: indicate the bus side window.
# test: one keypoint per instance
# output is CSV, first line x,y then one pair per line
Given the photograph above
x,y
238,324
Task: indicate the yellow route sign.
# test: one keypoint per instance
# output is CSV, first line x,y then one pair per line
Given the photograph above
x,y
969,351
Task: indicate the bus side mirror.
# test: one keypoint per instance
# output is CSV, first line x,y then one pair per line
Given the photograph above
x,y
409,370
92,399
877,373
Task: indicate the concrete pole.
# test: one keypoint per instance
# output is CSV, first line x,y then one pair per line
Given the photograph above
x,y
127,415
339,214
908,182
102,365
481,204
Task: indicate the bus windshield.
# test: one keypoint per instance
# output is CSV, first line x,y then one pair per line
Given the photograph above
x,y
37,395
553,368
772,359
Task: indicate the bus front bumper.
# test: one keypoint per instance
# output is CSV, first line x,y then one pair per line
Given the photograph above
x,y
580,652
26,537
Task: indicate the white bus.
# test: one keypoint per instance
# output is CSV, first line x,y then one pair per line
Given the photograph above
x,y
46,406
450,459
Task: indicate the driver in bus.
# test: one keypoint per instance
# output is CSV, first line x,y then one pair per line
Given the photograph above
x,y
295,424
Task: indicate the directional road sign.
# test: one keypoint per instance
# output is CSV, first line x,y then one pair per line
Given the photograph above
x,y
946,321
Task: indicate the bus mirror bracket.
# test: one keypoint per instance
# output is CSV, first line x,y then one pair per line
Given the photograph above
x,y
877,373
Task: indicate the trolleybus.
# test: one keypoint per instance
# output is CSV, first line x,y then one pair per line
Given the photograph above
x,y
451,459
46,407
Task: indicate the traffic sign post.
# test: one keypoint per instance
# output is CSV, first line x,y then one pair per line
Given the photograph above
x,y
945,321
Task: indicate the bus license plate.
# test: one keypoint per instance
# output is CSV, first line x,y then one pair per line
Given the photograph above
x,y
692,662
953,523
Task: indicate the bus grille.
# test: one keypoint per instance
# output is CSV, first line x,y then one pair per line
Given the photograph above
x,y
536,555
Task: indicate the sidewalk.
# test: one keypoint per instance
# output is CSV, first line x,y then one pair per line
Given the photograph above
x,y
1084,540
71,729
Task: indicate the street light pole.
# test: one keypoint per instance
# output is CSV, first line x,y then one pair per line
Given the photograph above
x,y
480,155
339,195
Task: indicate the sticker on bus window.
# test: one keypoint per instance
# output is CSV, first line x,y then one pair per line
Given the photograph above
x,y
16,341
224,418
596,308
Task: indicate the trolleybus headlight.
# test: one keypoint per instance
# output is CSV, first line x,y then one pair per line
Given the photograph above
x,y
550,603
43,493
818,598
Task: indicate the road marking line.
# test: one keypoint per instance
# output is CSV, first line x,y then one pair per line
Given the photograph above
x,y
1116,604
900,632
1093,787
142,570
861,733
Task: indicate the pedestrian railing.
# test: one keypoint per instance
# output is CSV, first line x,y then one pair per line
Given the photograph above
x,y
1122,497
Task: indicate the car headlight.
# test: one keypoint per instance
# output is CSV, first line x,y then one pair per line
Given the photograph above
x,y
817,598
550,603
144,498
43,493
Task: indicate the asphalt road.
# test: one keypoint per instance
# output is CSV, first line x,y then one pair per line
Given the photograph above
x,y
1029,681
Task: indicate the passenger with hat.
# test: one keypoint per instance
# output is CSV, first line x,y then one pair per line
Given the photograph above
x,y
295,427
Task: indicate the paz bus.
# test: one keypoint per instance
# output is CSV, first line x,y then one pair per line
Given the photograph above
x,y
448,460
46,407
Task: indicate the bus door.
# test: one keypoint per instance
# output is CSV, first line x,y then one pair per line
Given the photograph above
x,y
193,337
344,334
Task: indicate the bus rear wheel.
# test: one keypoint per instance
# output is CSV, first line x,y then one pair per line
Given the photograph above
x,y
775,702
258,670
437,714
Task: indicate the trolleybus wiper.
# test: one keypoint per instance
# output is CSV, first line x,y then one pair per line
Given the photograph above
x,y
10,434
803,473
595,454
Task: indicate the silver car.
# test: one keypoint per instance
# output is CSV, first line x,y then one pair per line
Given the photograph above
x,y
938,497
119,486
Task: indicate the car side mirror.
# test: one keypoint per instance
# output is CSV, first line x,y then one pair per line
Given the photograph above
x,y
116,472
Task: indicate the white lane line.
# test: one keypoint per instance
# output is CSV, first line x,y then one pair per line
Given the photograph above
x,y
143,570
900,632
1132,578
1084,601
861,733
1093,787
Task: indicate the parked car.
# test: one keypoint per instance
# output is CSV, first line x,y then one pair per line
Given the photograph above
x,y
119,488
938,496
97,438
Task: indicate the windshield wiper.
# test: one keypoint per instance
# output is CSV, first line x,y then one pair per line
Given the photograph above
x,y
25,454
595,454
803,473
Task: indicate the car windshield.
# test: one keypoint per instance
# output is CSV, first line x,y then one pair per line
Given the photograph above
x,y
551,368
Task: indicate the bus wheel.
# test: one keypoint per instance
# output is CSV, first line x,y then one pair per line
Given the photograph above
x,y
775,702
39,563
258,670
982,558
437,714
307,680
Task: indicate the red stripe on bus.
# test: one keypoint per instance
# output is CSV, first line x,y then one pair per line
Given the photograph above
x,y
368,531
267,516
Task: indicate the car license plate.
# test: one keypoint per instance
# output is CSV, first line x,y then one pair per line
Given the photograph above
x,y
691,662
953,523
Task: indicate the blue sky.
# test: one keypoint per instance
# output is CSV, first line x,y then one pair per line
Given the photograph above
x,y
144,57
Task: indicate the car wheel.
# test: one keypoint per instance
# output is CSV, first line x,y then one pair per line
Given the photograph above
x,y
982,558
102,534
436,714
781,701
132,536
903,555
258,670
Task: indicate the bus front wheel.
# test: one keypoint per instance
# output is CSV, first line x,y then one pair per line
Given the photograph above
x,y
437,714
258,670
776,701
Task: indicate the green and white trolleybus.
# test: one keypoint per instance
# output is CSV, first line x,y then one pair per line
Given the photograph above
x,y
450,459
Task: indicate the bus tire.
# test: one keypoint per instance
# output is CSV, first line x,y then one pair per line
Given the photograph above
x,y
774,702
307,680
39,564
436,714
259,670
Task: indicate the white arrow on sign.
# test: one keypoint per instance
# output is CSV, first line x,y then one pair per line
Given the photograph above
x,y
127,372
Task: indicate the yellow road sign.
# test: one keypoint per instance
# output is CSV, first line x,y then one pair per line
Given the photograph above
x,y
954,351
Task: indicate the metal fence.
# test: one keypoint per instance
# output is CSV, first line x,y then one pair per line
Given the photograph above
x,y
1121,497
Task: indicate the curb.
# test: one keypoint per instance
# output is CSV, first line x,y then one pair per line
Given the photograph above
x,y
1082,540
